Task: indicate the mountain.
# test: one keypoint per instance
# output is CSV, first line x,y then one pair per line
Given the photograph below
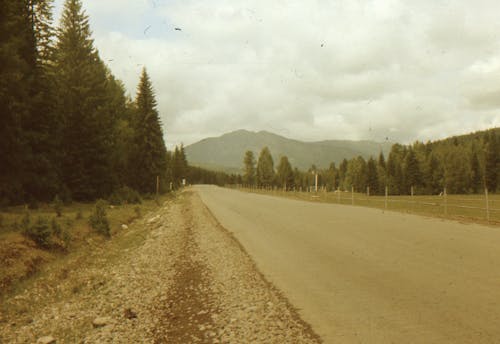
x,y
226,152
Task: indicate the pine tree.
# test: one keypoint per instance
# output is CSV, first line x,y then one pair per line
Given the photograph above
x,y
492,162
475,174
149,156
265,168
249,168
81,90
371,176
16,63
412,175
285,173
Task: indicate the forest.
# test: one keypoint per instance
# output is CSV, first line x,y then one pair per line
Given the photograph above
x,y
462,164
67,126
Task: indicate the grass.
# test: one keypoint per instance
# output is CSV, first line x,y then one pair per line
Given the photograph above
x,y
468,208
22,259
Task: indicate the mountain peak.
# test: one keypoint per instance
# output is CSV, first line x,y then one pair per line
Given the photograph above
x,y
226,151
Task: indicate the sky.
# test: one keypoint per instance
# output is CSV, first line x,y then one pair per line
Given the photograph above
x,y
308,69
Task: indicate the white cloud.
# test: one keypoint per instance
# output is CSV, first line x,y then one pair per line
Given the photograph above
x,y
311,70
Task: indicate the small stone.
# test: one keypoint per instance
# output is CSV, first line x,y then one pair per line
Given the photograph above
x,y
124,226
101,321
129,314
46,340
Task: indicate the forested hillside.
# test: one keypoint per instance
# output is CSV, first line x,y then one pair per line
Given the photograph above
x,y
67,126
462,164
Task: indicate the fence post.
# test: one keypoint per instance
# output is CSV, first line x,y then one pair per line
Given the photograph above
x,y
386,194
487,205
445,202
338,194
352,195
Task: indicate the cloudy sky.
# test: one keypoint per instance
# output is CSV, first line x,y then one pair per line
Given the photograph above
x,y
310,70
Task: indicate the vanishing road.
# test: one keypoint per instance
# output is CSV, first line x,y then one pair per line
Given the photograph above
x,y
359,275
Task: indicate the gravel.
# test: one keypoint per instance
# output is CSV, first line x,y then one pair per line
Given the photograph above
x,y
184,279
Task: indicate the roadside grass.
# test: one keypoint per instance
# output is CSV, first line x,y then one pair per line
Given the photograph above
x,y
22,261
464,208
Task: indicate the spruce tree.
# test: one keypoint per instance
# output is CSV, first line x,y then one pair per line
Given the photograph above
x,y
265,168
81,92
371,176
492,162
412,175
249,168
285,173
149,156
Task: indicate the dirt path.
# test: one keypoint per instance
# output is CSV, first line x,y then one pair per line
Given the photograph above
x,y
359,275
174,277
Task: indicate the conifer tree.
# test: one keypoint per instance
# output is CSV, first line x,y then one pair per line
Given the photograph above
x,y
371,176
149,156
412,170
249,167
492,162
285,173
265,168
81,91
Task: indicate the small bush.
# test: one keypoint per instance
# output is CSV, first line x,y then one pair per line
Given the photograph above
x,y
58,206
39,232
125,195
79,215
98,220
55,227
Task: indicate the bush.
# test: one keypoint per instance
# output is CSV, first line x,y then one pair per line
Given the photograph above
x,y
39,232
79,215
55,227
25,221
98,220
58,205
124,195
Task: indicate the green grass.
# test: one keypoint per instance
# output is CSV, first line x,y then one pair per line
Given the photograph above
x,y
470,208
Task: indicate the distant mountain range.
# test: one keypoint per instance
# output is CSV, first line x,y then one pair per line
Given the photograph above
x,y
225,153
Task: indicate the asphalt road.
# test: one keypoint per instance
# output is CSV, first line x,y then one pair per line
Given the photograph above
x,y
359,275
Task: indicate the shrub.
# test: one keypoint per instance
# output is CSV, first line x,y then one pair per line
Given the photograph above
x,y
55,227
125,195
26,221
58,205
39,232
79,215
98,220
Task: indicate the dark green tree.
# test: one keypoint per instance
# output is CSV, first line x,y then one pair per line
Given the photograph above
x,y
371,176
265,168
492,162
475,174
249,168
412,175
149,152
285,173
81,93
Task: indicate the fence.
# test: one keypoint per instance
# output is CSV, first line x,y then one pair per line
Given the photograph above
x,y
477,208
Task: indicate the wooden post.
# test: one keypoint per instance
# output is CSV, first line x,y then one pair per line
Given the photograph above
x,y
316,182
386,194
352,195
487,205
445,202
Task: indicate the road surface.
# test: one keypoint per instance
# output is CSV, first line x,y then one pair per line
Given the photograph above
x,y
359,275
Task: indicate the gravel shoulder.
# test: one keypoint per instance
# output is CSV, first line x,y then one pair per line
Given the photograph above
x,y
176,276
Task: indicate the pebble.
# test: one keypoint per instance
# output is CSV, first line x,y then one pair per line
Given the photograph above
x,y
46,340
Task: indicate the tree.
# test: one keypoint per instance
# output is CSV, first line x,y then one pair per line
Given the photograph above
x,y
371,176
285,173
149,155
475,173
381,173
492,162
249,167
265,168
81,92
179,165
412,174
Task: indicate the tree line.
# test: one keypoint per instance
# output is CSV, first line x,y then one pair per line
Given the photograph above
x,y
67,126
462,164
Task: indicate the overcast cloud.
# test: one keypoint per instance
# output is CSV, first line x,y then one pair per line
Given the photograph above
x,y
310,70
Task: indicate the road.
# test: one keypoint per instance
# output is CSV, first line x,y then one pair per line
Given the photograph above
x,y
359,275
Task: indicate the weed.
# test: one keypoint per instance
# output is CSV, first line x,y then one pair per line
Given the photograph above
x,y
98,220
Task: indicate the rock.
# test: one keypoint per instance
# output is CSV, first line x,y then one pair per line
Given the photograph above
x,y
129,314
101,321
124,226
46,340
